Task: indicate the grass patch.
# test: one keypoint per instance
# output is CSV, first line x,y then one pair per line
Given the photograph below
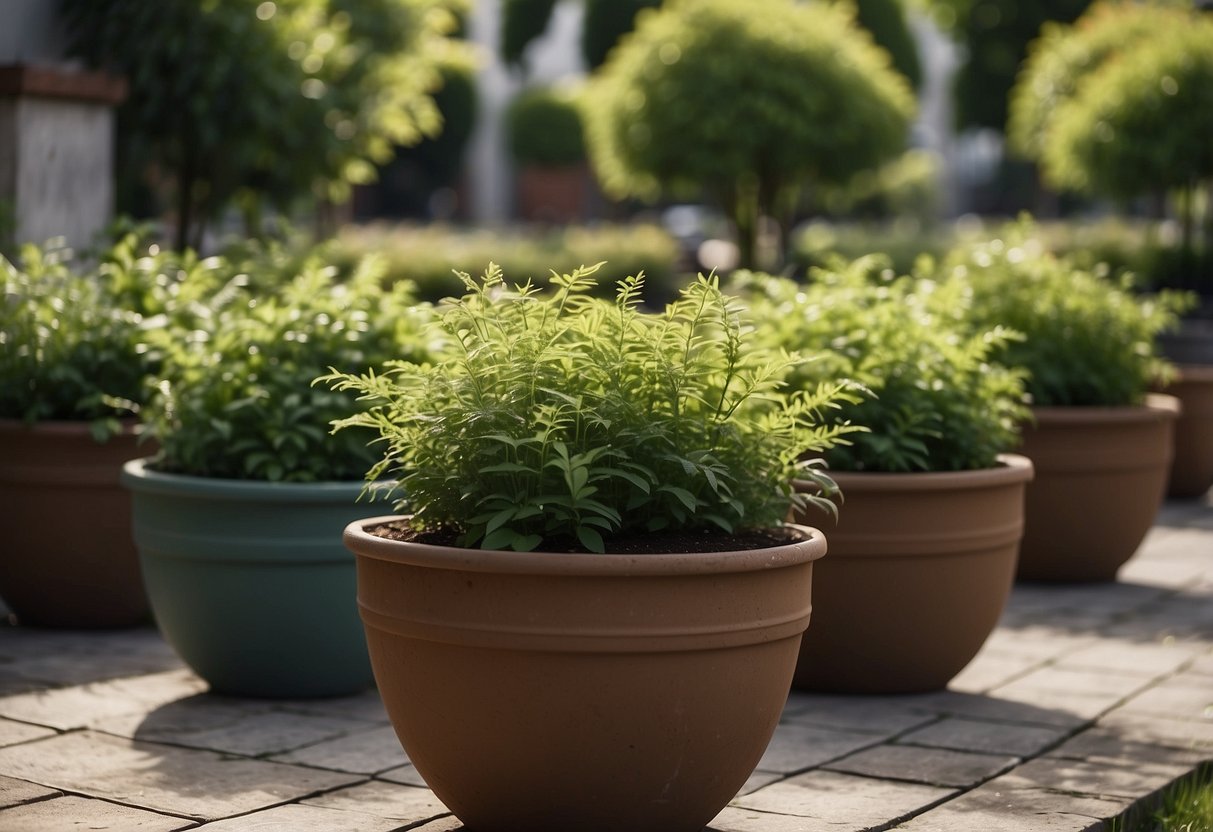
x,y
1185,806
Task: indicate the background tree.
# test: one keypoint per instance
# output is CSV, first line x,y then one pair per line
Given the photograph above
x,y
233,101
746,101
1140,123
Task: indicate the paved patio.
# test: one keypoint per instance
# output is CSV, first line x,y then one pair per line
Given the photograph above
x,y
1085,701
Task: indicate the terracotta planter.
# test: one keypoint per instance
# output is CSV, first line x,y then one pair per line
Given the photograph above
x,y
69,560
1101,473
545,692
250,583
920,567
1192,466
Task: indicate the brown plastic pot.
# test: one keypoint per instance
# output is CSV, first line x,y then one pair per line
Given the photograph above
x,y
69,558
1192,466
551,692
920,567
1101,473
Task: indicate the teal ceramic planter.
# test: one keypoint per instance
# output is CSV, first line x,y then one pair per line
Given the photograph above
x,y
250,583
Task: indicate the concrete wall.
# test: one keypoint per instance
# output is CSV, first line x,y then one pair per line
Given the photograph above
x,y
56,159
56,143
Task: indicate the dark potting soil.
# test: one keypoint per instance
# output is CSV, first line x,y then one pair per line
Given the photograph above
x,y
650,543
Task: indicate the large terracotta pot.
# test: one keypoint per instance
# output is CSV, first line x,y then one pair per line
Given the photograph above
x,y
68,558
1192,466
545,692
1101,473
920,567
249,580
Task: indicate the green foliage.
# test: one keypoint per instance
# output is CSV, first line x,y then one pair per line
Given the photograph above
x,y
430,256
747,101
543,127
238,101
605,22
522,21
233,398
557,419
937,400
1143,122
1064,55
1089,340
69,349
821,244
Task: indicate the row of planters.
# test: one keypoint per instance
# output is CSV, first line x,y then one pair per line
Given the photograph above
x,y
639,464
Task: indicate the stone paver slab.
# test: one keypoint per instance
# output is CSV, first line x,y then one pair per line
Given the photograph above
x,y
403,804
736,819
80,813
236,726
796,747
12,733
1202,665
991,669
932,766
1041,642
1144,728
992,808
960,734
1107,683
998,709
1129,780
1152,659
883,715
298,818
365,752
366,706
1184,697
85,705
850,802
201,784
13,792
1106,745
405,775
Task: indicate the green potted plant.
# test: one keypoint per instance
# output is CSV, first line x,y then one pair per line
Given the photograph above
x,y
1121,104
922,558
72,360
625,665
543,126
1100,443
238,517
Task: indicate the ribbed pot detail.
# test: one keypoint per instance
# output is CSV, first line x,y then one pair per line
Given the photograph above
x,y
250,583
69,559
1192,466
920,567
551,692
1101,473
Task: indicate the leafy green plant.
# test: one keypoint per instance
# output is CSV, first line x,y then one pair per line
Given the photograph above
x,y
561,419
68,351
223,91
543,126
937,400
233,398
748,102
1089,339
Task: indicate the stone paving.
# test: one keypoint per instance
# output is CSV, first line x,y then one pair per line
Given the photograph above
x,y
1085,701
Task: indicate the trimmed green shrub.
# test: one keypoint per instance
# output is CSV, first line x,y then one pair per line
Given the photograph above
x,y
543,128
746,102
233,397
936,400
429,256
1089,340
561,419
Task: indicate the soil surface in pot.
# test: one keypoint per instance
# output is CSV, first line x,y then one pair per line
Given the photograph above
x,y
653,543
